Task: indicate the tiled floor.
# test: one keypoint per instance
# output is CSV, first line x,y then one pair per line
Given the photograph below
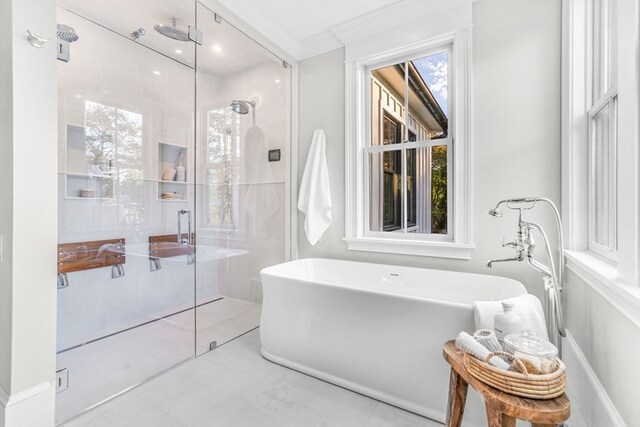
x,y
105,367
234,386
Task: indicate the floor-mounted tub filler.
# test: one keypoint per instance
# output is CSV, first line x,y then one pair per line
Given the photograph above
x,y
374,329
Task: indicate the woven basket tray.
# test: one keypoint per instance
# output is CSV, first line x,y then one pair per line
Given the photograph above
x,y
523,384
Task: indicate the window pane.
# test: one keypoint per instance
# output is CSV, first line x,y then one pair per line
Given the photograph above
x,y
223,133
427,83
425,192
386,191
439,209
601,177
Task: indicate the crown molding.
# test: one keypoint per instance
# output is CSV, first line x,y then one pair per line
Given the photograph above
x,y
393,15
388,17
252,14
318,44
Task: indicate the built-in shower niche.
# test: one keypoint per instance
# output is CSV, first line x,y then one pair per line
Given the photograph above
x,y
170,188
89,172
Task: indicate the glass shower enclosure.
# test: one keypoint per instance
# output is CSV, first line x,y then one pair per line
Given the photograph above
x,y
173,188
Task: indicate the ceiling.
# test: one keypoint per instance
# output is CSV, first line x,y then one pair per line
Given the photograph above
x,y
303,27
306,18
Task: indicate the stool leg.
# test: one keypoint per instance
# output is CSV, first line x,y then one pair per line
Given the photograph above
x,y
457,398
494,418
508,421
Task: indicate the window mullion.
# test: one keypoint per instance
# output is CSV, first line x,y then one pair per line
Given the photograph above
x,y
613,173
403,152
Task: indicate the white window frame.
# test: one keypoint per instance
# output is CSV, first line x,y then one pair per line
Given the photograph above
x,y
618,282
457,244
602,91
369,148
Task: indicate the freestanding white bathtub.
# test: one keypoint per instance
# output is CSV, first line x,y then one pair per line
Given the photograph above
x,y
375,329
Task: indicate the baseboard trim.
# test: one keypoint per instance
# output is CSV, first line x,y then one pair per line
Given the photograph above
x,y
8,400
32,407
586,389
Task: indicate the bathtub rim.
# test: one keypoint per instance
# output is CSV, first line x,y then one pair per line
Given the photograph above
x,y
267,271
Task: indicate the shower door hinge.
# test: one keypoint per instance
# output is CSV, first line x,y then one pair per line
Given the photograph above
x,y
62,380
284,64
63,50
63,281
213,345
218,18
195,35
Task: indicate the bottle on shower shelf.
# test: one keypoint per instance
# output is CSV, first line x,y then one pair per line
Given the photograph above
x,y
181,175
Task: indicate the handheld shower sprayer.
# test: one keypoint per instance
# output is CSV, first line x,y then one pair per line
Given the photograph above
x,y
524,245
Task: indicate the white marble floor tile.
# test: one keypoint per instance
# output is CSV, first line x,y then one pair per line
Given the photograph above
x,y
125,412
234,386
224,320
315,403
390,416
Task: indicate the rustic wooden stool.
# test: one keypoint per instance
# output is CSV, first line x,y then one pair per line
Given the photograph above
x,y
502,408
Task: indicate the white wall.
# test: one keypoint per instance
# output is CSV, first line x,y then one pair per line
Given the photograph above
x,y
516,132
28,214
516,151
609,340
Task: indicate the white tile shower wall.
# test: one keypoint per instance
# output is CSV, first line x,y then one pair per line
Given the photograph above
x,y
262,186
95,305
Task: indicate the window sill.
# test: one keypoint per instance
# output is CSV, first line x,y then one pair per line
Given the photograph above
x,y
410,247
602,276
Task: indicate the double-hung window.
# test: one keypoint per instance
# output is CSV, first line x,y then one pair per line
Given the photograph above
x,y
602,132
408,145
601,106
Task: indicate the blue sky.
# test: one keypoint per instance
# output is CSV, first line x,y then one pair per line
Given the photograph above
x,y
433,70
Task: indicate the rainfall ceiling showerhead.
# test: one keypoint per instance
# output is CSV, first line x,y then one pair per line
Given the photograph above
x,y
242,107
67,33
173,32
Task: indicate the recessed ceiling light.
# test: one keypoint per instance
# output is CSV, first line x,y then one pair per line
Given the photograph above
x,y
217,48
178,51
156,72
277,80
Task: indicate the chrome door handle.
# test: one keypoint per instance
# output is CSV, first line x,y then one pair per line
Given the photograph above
x,y
186,241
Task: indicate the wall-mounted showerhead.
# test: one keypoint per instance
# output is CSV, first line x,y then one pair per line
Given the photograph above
x,y
242,107
67,33
172,31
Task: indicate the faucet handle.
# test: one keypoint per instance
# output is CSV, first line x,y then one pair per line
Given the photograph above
x,y
512,244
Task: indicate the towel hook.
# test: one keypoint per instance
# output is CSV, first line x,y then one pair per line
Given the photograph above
x,y
35,40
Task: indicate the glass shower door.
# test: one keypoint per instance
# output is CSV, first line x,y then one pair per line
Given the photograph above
x,y
126,206
243,152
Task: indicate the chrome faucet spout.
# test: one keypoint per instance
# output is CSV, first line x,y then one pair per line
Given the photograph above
x,y
491,261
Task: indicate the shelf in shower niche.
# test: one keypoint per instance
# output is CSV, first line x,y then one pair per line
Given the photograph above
x,y
88,186
79,256
168,158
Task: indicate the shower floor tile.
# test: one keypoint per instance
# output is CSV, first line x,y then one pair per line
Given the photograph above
x,y
234,386
106,367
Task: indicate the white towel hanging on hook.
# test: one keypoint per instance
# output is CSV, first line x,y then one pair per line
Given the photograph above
x,y
314,199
